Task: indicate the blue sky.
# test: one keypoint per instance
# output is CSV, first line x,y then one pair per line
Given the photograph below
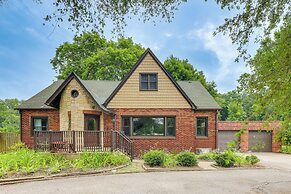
x,y
26,45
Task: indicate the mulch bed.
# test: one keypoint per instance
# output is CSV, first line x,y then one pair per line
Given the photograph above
x,y
176,168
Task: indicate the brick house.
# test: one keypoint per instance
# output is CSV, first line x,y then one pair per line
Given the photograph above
x,y
148,106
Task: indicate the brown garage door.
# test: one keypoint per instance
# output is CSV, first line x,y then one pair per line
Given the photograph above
x,y
260,141
224,137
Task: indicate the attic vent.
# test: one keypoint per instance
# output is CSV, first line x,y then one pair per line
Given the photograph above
x,y
74,93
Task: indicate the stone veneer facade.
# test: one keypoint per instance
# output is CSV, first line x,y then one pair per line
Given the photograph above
x,y
76,107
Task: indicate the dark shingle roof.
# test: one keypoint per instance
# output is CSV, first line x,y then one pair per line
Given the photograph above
x,y
198,95
38,100
101,90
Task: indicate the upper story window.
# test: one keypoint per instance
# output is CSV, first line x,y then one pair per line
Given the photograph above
x,y
74,93
148,81
202,126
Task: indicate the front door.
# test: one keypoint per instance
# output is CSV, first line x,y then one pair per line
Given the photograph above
x,y
92,134
92,123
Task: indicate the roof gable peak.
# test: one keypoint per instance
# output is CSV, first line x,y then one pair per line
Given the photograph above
x,y
139,61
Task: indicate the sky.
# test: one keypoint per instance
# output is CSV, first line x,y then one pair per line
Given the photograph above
x,y
27,46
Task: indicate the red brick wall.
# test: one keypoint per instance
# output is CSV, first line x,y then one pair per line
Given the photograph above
x,y
53,123
251,125
185,130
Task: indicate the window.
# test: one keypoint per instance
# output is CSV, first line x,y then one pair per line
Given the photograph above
x,y
149,126
39,124
148,81
74,93
202,126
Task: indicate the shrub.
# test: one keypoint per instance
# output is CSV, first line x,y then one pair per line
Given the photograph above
x,y
186,159
286,149
225,159
252,159
207,156
17,146
155,157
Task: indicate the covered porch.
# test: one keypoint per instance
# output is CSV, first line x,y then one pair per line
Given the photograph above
x,y
83,141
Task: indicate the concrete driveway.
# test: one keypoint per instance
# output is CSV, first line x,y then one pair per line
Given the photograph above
x,y
275,160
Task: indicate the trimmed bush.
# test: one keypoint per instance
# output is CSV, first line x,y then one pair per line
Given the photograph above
x,y
186,159
225,159
155,157
252,159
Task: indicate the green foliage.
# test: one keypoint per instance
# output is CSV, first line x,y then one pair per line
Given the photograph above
x,y
91,56
252,159
155,157
238,106
186,159
99,159
26,161
284,134
225,159
9,117
286,149
235,144
231,158
207,156
17,146
182,70
269,80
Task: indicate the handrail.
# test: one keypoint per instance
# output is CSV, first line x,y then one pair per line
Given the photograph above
x,y
125,149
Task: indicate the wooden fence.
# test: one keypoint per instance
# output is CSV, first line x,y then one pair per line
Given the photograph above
x,y
7,140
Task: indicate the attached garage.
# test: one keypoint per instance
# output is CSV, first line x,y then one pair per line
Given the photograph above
x,y
260,141
224,137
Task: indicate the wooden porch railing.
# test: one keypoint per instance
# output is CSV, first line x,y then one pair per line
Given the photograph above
x,y
80,141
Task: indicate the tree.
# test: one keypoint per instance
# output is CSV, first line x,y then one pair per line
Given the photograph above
x,y
238,106
269,80
92,57
250,15
9,117
181,69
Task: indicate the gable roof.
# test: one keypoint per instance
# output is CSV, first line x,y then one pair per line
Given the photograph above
x,y
38,100
148,51
53,100
101,90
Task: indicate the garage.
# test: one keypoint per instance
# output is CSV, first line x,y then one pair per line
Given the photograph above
x,y
260,141
224,137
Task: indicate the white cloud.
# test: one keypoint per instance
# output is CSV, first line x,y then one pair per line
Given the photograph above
x,y
169,35
223,49
36,34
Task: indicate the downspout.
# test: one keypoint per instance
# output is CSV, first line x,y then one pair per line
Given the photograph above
x,y
20,127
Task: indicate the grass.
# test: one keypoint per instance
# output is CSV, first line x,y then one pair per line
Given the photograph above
x,y
25,161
